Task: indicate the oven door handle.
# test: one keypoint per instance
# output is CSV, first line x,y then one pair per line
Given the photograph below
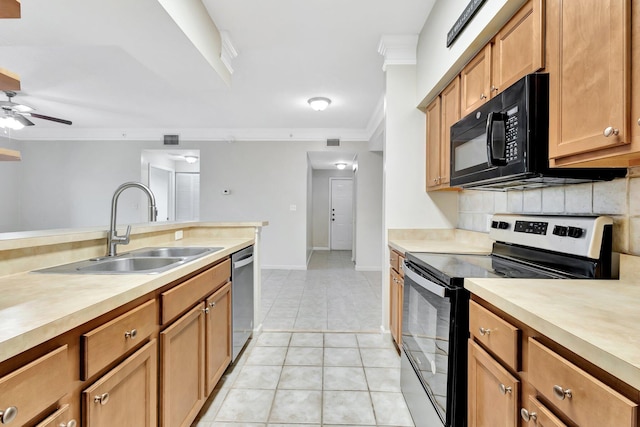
x,y
432,287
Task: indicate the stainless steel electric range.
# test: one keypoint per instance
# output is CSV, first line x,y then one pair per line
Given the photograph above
x,y
435,319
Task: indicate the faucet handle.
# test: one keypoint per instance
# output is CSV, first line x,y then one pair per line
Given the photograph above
x,y
122,240
126,235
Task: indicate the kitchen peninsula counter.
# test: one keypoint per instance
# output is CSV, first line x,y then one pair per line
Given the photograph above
x,y
440,241
36,307
598,320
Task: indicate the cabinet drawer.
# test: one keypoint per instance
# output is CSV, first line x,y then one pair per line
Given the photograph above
x,y
498,336
178,299
60,418
110,341
581,397
36,386
539,415
394,260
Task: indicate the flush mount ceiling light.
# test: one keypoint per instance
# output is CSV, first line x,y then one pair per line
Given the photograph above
x,y
191,159
319,103
341,165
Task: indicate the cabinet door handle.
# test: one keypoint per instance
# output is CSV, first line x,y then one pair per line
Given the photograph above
x,y
494,88
638,122
609,131
8,415
505,389
526,415
131,334
484,331
212,304
560,393
483,96
206,310
102,398
71,423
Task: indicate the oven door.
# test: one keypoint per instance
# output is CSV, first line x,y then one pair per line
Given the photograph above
x,y
434,334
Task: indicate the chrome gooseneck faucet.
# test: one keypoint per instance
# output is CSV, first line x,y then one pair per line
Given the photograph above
x,y
113,239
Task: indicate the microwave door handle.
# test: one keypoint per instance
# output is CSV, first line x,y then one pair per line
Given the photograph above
x,y
491,159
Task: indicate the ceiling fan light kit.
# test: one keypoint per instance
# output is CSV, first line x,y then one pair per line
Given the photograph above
x,y
14,115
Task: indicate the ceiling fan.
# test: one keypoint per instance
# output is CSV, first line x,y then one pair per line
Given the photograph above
x,y
14,115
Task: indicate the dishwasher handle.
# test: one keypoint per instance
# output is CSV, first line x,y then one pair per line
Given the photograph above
x,y
244,261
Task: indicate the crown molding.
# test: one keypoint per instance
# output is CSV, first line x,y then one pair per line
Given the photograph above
x,y
191,134
398,49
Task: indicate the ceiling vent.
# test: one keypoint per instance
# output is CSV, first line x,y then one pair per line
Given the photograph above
x,y
333,142
171,139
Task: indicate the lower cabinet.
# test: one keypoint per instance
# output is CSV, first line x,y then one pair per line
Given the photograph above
x,y
127,394
536,414
182,375
218,335
60,418
396,289
493,391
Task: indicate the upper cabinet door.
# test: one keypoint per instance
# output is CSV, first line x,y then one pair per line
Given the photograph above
x,y
475,81
433,144
518,49
450,104
588,54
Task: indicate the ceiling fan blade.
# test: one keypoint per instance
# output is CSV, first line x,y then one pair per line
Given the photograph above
x,y
53,119
22,119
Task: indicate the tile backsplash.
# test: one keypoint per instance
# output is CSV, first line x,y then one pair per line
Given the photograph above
x,y
619,199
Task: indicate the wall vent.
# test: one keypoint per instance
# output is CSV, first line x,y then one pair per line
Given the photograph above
x,y
171,139
333,142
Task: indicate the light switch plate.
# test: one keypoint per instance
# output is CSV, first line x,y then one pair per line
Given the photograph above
x,y
179,234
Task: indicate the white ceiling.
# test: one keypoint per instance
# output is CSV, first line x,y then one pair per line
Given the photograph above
x,y
123,69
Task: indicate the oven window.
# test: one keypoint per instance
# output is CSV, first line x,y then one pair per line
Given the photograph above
x,y
471,153
426,323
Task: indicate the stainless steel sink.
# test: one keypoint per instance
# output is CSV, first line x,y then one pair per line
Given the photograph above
x,y
187,251
141,261
131,265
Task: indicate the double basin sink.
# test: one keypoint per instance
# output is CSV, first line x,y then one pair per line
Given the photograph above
x,y
141,261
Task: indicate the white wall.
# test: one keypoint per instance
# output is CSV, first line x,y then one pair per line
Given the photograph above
x,y
10,177
322,204
369,228
437,63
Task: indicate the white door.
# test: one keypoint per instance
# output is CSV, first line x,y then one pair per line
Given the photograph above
x,y
160,184
341,213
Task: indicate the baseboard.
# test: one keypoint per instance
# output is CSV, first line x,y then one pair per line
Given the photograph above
x,y
321,248
368,268
283,267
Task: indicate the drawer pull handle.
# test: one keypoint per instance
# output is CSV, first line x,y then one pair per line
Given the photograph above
x,y
560,393
484,331
102,399
494,88
131,334
609,131
206,310
483,96
8,415
212,304
71,423
505,389
526,415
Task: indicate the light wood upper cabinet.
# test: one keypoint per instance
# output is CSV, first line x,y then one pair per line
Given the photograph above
x,y
518,49
443,112
588,58
475,81
127,394
433,144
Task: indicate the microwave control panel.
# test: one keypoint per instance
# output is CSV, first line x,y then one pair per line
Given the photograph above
x,y
511,134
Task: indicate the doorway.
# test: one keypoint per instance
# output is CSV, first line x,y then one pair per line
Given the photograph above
x,y
341,217
161,184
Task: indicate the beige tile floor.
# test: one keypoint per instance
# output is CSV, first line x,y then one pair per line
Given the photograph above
x,y
320,360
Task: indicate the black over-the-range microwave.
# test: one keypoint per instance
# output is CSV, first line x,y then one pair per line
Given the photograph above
x,y
504,144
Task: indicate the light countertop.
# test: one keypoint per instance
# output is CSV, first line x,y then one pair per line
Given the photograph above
x,y
440,241
596,319
36,307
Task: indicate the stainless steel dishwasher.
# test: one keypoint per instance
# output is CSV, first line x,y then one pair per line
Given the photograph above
x,y
242,298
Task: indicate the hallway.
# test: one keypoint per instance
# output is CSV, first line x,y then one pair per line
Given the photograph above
x,y
320,359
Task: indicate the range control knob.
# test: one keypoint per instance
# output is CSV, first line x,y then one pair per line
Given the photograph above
x,y
503,225
560,230
575,232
